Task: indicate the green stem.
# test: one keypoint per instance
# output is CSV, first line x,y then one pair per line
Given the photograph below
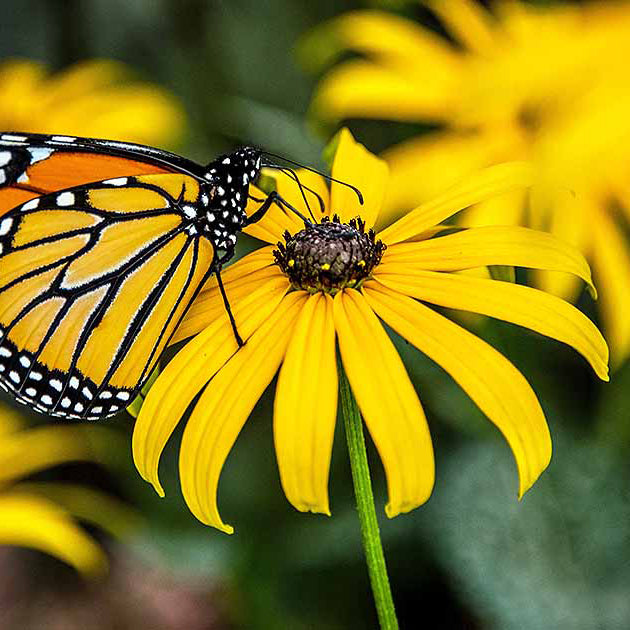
x,y
372,546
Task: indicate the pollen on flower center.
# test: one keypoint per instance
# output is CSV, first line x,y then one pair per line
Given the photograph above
x,y
329,256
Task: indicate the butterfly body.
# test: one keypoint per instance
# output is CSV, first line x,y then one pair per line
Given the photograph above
x,y
103,246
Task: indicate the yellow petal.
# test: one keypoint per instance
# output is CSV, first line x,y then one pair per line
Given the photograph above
x,y
88,505
468,22
306,407
505,209
388,403
189,371
32,521
11,420
290,192
274,222
483,246
423,167
483,185
527,307
355,165
493,383
611,264
209,305
225,406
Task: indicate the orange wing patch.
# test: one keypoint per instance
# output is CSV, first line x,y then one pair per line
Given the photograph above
x,y
41,225
117,244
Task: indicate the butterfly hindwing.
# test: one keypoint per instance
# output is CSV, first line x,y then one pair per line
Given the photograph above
x,y
93,281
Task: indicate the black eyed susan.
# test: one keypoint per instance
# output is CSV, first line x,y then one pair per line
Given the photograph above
x,y
42,515
96,98
331,283
542,82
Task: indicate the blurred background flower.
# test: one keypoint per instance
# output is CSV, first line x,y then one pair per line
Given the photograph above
x,y
94,98
39,514
543,83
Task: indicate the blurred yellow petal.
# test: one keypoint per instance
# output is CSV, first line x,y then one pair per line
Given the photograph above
x,y
386,37
19,81
362,89
426,166
611,264
290,192
493,383
483,246
395,85
189,371
473,189
32,521
25,452
506,209
305,407
388,403
468,22
226,404
88,505
355,165
527,307
275,221
571,220
11,420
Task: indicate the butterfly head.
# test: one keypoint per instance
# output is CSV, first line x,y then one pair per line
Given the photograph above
x,y
235,171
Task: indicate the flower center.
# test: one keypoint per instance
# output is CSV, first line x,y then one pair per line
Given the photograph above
x,y
329,256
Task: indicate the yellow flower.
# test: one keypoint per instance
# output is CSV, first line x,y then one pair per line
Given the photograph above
x,y
93,98
544,84
331,283
39,514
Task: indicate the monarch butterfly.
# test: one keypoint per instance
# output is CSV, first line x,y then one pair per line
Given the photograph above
x,y
103,246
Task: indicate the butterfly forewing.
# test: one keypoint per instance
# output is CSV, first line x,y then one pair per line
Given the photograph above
x,y
93,281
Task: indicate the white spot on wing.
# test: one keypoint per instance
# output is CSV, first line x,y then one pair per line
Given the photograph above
x,y
117,181
5,157
65,199
31,205
39,154
5,226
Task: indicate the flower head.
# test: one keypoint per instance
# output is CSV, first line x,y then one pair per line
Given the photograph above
x,y
546,84
330,282
40,515
94,98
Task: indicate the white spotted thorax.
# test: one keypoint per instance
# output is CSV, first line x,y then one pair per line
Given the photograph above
x,y
221,215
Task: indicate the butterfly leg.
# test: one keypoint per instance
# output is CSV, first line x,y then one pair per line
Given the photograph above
x,y
226,302
274,197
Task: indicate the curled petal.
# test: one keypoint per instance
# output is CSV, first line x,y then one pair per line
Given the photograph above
x,y
33,521
225,406
189,371
388,403
306,407
527,307
483,185
355,165
493,383
492,245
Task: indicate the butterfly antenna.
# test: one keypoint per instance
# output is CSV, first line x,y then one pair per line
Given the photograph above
x,y
289,172
313,170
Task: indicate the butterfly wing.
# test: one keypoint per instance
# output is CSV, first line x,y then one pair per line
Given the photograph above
x,y
34,164
93,281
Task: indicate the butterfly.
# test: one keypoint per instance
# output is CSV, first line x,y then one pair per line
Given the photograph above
x,y
103,246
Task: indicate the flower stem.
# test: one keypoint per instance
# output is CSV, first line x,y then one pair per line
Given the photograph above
x,y
370,534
